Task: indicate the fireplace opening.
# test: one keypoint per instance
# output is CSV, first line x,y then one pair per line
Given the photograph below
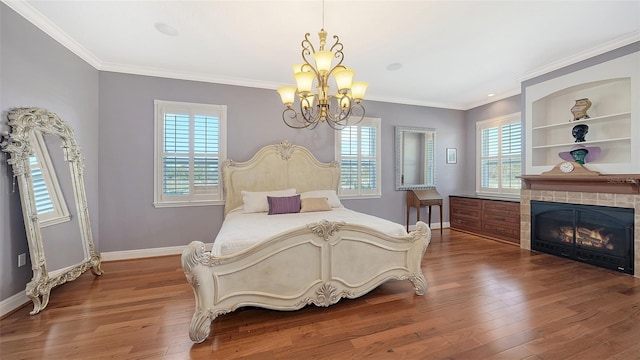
x,y
597,235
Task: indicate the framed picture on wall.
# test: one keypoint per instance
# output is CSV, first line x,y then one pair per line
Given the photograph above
x,y
452,156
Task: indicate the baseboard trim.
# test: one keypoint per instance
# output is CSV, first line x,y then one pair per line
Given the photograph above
x,y
433,226
141,253
13,303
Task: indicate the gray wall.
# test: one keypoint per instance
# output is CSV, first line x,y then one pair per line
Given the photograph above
x,y
37,71
128,219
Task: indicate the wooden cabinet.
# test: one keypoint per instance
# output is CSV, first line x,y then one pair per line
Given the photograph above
x,y
496,219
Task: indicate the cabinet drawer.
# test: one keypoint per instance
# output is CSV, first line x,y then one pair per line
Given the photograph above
x,y
510,218
466,213
501,207
465,224
465,202
502,230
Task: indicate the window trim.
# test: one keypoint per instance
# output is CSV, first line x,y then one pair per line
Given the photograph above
x,y
496,122
359,194
60,213
160,108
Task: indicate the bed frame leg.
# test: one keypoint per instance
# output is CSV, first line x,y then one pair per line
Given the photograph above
x,y
200,327
420,284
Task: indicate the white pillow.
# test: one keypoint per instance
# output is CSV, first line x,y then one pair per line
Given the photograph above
x,y
253,202
331,196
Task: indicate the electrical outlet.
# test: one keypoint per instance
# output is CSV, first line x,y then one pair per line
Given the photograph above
x,y
22,259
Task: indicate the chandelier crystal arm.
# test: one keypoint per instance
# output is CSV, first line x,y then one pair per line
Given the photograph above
x,y
294,120
337,46
308,50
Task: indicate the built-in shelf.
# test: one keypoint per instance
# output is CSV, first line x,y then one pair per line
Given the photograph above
x,y
613,123
593,120
582,143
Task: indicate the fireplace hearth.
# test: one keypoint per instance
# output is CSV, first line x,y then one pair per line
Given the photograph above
x,y
598,235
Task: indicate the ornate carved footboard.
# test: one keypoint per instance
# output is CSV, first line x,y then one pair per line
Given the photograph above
x,y
315,264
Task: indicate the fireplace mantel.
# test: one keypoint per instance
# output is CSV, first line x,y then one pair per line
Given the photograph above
x,y
614,183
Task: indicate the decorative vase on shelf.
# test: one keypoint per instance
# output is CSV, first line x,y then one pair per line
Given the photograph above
x,y
579,110
581,154
579,132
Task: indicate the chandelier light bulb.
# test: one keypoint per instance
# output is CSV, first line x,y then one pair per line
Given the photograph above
x,y
344,77
358,89
323,60
304,81
307,102
287,94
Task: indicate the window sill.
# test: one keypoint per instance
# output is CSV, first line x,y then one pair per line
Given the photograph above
x,y
359,197
498,196
170,204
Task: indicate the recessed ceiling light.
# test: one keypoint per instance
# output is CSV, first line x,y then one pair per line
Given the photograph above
x,y
394,66
492,94
166,29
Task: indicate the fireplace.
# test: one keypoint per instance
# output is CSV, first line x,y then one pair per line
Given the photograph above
x,y
597,235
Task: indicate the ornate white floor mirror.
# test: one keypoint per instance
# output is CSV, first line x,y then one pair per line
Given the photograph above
x,y
48,166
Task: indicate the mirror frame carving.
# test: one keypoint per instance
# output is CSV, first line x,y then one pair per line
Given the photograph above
x,y
399,141
24,121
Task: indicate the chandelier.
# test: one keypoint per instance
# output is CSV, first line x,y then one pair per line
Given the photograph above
x,y
334,109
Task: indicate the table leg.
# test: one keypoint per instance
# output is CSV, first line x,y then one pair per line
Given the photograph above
x,y
408,208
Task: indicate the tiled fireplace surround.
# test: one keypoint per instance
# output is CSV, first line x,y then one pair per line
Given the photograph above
x,y
587,198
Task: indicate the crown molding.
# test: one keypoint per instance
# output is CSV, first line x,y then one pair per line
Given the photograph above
x,y
35,17
184,75
404,101
489,100
595,51
179,75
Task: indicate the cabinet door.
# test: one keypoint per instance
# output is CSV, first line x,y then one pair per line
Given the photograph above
x,y
465,213
501,219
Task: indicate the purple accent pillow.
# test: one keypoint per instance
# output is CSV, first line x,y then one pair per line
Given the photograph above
x,y
283,204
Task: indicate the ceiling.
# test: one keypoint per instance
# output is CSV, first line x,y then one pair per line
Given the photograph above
x,y
452,54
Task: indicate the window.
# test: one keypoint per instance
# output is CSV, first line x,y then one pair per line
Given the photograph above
x,y
500,155
50,205
190,144
358,152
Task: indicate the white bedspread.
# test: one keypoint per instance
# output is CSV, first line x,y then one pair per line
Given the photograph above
x,y
240,231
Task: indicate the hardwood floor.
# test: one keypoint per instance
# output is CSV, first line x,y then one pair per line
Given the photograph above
x,y
486,300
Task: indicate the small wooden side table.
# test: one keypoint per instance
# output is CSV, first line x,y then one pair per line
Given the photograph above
x,y
419,198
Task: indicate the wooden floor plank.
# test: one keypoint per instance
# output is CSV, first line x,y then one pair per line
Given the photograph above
x,y
486,300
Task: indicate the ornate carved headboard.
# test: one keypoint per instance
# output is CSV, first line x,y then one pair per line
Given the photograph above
x,y
277,167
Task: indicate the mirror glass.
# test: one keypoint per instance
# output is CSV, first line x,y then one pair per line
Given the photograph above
x,y
61,242
415,158
47,163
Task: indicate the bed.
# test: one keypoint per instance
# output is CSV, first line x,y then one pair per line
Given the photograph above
x,y
321,257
